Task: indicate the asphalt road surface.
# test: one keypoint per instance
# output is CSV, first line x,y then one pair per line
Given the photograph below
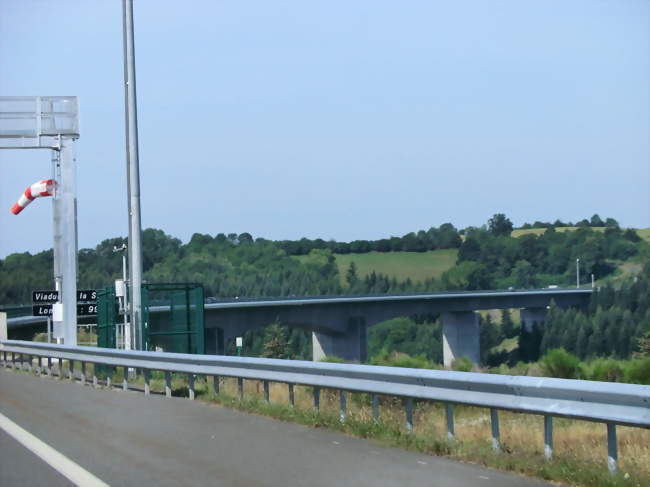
x,y
127,439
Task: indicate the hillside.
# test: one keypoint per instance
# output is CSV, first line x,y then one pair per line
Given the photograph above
x,y
416,266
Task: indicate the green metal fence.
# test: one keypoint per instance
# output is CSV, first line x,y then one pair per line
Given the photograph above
x,y
107,317
181,328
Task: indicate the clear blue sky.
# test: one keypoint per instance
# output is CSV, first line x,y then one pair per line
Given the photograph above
x,y
338,119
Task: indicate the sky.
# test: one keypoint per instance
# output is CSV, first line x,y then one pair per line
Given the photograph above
x,y
336,119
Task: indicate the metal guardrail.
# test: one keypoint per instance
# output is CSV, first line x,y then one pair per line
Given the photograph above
x,y
610,403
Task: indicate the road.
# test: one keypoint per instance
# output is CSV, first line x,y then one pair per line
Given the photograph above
x,y
127,439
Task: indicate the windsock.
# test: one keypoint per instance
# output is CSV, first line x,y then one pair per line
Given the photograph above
x,y
41,188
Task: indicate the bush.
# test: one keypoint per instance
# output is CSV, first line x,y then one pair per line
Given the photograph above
x,y
638,371
562,364
397,359
462,364
607,370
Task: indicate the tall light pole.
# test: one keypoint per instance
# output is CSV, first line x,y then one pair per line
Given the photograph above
x,y
133,175
577,273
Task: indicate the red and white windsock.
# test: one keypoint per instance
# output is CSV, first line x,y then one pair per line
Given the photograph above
x,y
41,188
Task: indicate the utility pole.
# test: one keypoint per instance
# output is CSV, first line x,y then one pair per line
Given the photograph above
x,y
577,273
133,175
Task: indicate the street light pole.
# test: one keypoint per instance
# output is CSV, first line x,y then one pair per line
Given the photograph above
x,y
133,175
577,273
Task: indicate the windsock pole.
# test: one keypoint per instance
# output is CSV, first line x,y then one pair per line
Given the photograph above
x,y
40,188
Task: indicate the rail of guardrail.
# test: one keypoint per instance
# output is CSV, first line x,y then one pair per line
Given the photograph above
x,y
609,403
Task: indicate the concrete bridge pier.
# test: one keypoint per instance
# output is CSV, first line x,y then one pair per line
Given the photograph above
x,y
460,337
531,317
350,345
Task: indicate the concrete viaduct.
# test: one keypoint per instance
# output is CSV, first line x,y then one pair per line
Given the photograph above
x,y
339,324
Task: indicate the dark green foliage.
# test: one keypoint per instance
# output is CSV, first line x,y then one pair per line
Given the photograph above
x,y
405,336
538,260
444,237
613,326
500,225
508,328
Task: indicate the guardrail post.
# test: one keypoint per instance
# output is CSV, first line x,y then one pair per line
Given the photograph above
x,y
71,370
83,373
375,408
240,387
316,393
190,386
13,361
494,417
450,421
146,374
267,397
408,406
342,406
612,449
49,366
215,384
168,383
548,437
95,380
125,379
292,397
37,368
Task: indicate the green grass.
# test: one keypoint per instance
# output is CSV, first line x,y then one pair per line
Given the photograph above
x,y
402,265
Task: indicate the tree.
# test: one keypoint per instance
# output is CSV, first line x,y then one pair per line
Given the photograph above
x,y
351,276
596,221
275,342
500,225
507,325
524,275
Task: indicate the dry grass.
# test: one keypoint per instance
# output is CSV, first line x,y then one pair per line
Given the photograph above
x,y
575,442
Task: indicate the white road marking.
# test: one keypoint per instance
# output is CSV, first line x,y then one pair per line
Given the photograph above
x,y
49,455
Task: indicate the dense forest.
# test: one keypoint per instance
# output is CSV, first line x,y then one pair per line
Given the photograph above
x,y
489,257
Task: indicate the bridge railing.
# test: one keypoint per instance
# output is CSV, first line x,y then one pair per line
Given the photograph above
x,y
605,402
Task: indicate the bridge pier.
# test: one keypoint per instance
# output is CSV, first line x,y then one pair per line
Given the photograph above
x,y
531,317
460,337
350,345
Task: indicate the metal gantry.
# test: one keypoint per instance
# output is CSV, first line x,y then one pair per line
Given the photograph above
x,y
52,122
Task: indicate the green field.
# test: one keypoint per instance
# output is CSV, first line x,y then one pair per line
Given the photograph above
x,y
644,233
401,265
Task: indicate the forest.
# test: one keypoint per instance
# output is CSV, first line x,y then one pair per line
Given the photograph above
x,y
489,257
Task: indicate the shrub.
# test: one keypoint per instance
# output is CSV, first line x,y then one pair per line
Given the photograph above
x,y
562,364
638,371
462,364
397,359
607,370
